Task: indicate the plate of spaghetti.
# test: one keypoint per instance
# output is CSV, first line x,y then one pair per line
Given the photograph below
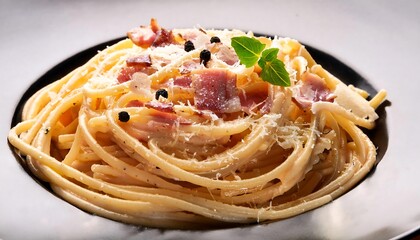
x,y
199,128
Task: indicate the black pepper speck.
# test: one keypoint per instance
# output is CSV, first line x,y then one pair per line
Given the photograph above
x,y
123,116
215,39
205,56
189,46
161,92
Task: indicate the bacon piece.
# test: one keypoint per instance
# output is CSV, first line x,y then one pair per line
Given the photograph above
x,y
158,120
126,73
152,35
190,65
191,34
142,36
183,81
180,89
154,25
163,117
254,96
156,124
198,36
215,90
135,103
312,89
159,125
252,100
139,61
225,54
162,122
163,38
170,119
160,106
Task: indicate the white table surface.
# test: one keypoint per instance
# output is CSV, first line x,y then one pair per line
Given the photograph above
x,y
379,39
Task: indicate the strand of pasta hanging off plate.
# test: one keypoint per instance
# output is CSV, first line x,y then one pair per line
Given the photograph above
x,y
190,128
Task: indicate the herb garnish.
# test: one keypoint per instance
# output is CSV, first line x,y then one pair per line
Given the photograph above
x,y
250,51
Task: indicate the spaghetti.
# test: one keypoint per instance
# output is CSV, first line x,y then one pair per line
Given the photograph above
x,y
149,132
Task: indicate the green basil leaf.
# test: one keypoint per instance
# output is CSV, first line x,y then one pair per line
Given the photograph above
x,y
270,54
273,70
248,49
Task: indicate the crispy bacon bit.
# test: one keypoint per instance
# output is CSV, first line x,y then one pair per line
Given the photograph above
x,y
153,35
139,61
126,74
163,38
142,36
312,89
160,106
215,90
154,25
